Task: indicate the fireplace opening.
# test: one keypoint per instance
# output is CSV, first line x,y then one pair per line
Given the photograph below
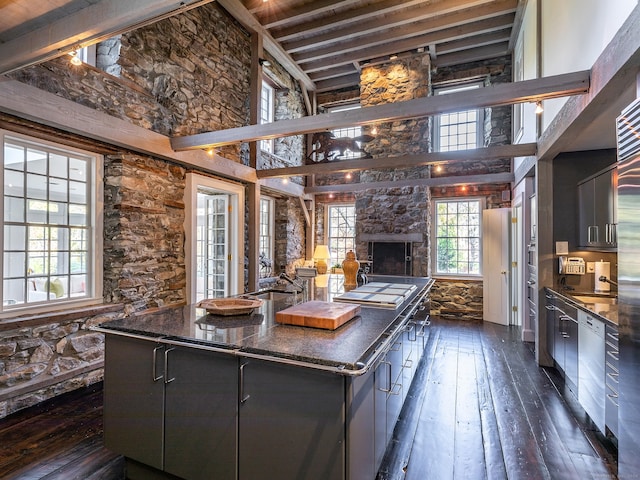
x,y
390,258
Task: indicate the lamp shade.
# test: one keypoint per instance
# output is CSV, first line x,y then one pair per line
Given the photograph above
x,y
321,252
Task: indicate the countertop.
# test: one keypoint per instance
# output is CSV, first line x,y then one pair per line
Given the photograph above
x,y
348,348
603,309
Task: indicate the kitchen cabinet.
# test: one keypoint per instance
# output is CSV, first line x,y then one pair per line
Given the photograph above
x,y
291,422
598,210
562,339
165,407
591,357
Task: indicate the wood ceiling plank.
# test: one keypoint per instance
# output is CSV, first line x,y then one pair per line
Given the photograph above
x,y
278,18
335,83
495,95
407,23
392,9
405,161
478,41
406,44
346,69
83,28
425,182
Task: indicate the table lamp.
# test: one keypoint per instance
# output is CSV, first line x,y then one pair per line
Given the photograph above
x,y
321,254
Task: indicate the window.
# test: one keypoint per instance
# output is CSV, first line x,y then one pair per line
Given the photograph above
x,y
342,231
266,252
458,130
350,132
458,226
52,239
267,108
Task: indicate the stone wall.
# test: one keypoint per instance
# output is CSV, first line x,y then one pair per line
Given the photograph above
x,y
457,299
290,235
143,232
45,356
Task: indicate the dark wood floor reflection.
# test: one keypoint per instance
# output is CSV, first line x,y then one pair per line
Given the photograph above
x,y
479,409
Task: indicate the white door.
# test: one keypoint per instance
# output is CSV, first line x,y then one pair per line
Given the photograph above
x,y
495,265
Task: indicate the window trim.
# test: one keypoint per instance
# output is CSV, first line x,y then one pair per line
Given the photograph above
x,y
271,223
272,113
327,236
96,216
442,90
434,243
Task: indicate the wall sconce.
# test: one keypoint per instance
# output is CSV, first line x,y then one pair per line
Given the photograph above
x,y
264,62
539,108
393,57
348,176
75,59
374,130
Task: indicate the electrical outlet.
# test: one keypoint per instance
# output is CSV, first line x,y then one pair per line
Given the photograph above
x,y
591,267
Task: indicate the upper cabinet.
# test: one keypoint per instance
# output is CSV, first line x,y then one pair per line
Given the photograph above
x,y
597,210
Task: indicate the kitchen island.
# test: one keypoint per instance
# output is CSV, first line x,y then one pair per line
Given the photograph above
x,y
198,396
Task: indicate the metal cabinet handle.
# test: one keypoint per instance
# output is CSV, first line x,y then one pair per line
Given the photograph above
x,y
396,389
242,396
613,355
166,366
386,390
411,328
591,237
154,373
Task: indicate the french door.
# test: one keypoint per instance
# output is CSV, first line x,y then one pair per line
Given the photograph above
x,y
212,252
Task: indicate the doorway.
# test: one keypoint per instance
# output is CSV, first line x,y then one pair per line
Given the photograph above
x,y
214,254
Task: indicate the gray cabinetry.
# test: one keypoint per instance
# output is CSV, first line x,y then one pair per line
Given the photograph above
x,y
565,340
134,399
166,408
291,422
597,213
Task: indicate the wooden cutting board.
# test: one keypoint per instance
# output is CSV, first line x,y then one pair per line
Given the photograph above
x,y
316,314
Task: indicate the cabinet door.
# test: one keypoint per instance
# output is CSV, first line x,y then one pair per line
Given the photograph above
x,y
395,398
201,406
588,232
559,329
604,207
292,423
134,399
550,309
361,427
382,388
571,353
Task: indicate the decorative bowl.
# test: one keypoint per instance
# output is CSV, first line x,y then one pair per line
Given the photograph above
x,y
230,306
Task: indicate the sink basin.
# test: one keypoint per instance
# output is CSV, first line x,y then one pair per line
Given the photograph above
x,y
596,299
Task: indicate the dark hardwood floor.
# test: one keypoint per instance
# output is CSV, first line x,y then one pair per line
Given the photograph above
x,y
479,408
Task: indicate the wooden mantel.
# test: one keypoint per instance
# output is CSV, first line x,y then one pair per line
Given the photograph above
x,y
575,83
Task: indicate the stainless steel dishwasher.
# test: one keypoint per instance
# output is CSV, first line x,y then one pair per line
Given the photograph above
x,y
591,373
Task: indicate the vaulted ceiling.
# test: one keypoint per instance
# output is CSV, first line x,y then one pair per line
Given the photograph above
x,y
324,43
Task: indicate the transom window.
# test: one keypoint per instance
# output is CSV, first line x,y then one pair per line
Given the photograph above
x,y
49,223
458,130
458,235
341,231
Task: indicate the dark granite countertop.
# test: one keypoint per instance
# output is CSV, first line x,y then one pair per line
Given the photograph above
x,y
603,306
349,348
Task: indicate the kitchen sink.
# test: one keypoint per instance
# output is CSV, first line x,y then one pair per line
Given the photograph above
x,y
273,294
596,299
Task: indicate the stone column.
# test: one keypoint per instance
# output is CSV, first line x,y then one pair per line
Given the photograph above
x,y
404,210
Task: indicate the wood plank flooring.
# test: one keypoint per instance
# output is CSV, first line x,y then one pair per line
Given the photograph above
x,y
479,408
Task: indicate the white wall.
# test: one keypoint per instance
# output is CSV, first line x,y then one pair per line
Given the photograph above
x,y
574,34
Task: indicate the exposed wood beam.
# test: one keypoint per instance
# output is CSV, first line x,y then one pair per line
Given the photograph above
x,y
471,55
303,206
405,44
276,186
274,18
506,177
411,22
406,161
347,69
241,14
362,17
500,94
47,108
478,41
338,82
613,72
81,28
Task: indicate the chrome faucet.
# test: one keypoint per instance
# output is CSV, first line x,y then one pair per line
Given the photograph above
x,y
605,279
287,278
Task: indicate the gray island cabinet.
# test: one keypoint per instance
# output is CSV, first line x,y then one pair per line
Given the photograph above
x,y
195,396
